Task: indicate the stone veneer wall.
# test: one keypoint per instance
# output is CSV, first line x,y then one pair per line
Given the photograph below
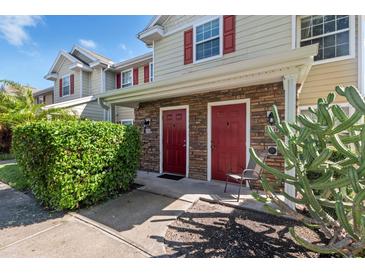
x,y
262,97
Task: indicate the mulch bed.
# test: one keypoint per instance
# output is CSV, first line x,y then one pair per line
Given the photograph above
x,y
212,230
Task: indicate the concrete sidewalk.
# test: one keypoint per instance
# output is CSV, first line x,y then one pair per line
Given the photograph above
x,y
27,230
132,225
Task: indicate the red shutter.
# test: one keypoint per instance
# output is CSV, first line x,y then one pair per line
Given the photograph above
x,y
60,86
135,76
72,84
146,73
188,46
229,33
117,80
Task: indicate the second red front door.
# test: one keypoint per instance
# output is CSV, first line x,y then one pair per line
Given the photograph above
x,y
174,141
228,145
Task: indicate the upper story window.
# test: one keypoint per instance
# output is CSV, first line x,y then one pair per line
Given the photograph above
x,y
40,99
207,40
151,72
127,78
66,85
331,32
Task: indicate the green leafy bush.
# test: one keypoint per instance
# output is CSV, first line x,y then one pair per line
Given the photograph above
x,y
75,163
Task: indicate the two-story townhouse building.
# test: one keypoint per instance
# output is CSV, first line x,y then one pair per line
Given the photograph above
x,y
80,74
217,77
44,96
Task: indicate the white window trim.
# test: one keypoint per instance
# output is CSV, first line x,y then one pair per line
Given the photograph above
x,y
306,107
209,130
69,84
126,120
121,78
152,71
296,38
195,25
186,107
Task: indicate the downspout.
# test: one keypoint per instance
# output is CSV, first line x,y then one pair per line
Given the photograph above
x,y
361,55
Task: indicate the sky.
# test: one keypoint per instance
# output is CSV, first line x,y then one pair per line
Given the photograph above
x,y
30,44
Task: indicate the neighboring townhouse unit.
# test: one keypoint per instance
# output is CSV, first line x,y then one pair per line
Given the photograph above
x,y
215,79
44,96
80,74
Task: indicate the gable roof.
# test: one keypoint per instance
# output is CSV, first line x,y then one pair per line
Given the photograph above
x,y
63,54
91,55
157,20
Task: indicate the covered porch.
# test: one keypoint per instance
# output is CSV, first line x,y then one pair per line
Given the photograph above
x,y
191,190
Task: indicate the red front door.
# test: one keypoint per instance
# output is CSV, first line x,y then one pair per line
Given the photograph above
x,y
228,140
174,141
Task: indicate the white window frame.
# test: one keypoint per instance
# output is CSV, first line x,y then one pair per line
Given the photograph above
x,y
69,85
121,76
197,24
306,107
152,72
126,120
296,25
39,99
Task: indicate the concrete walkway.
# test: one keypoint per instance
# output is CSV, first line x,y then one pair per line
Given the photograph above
x,y
132,225
191,190
27,230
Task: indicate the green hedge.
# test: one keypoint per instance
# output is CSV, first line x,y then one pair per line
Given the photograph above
x,y
75,163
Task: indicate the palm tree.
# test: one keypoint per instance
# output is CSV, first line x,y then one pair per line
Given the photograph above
x,y
18,108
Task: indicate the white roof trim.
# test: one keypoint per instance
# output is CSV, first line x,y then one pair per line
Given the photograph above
x,y
93,58
153,22
51,76
266,69
64,54
133,61
79,49
72,103
80,66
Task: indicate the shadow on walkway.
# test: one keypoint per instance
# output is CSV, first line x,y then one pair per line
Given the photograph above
x,y
19,209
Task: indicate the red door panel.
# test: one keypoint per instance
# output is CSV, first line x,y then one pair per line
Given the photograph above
x,y
174,141
228,140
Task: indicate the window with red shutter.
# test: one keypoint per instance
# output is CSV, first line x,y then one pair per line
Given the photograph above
x,y
72,84
146,73
188,46
229,33
135,76
60,87
118,80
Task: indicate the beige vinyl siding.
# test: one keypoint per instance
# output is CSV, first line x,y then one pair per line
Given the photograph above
x,y
86,83
92,111
323,78
96,81
255,36
64,70
123,113
109,80
140,71
48,99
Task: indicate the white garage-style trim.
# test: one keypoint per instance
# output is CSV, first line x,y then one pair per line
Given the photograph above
x,y
209,130
162,109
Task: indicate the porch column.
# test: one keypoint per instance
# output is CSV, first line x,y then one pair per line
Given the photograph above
x,y
290,87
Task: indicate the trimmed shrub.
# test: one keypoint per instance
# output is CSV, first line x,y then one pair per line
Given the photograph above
x,y
75,163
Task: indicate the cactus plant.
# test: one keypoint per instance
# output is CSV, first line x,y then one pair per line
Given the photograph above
x,y
335,197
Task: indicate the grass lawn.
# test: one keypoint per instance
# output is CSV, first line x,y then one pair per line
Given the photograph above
x,y
11,174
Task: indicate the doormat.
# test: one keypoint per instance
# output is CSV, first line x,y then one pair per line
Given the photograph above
x,y
171,177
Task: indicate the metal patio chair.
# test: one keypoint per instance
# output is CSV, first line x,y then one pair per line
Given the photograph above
x,y
251,174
